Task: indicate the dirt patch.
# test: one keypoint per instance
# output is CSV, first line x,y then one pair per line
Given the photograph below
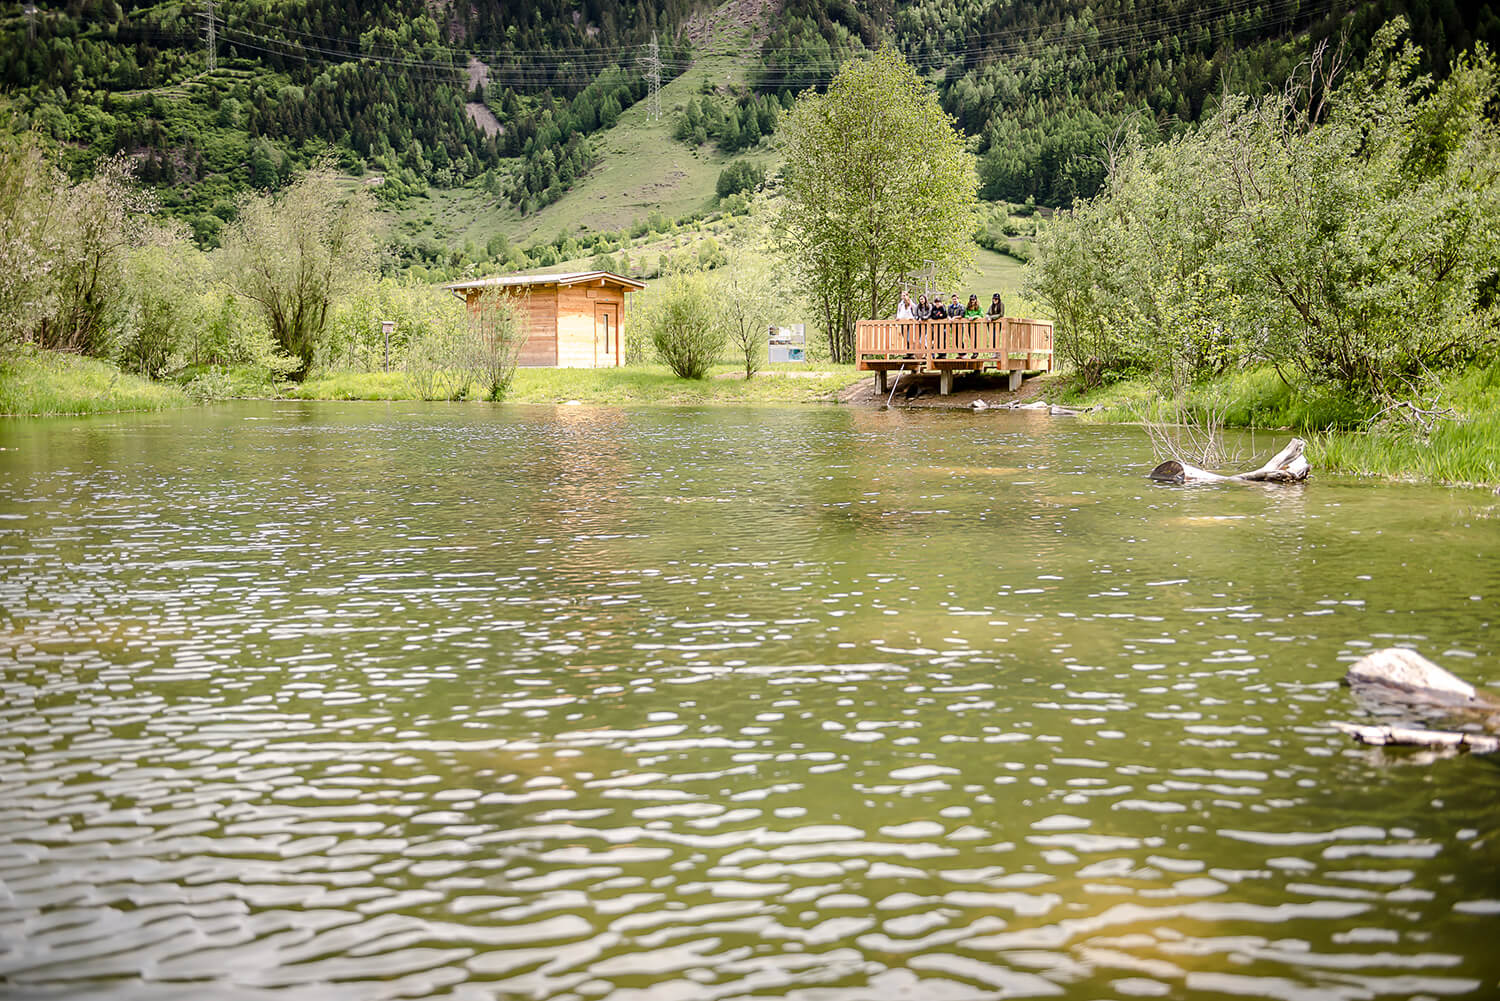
x,y
479,73
669,182
920,392
703,27
483,118
445,13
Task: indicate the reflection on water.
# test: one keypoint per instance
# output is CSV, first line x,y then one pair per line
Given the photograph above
x,y
321,701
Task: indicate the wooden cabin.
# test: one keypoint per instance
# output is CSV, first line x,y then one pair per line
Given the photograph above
x,y
574,320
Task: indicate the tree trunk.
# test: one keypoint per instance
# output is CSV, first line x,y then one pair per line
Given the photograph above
x,y
1287,466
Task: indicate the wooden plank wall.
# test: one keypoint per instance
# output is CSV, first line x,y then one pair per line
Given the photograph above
x,y
575,325
539,313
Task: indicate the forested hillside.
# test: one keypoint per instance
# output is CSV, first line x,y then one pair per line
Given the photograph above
x,y
378,86
1044,84
508,98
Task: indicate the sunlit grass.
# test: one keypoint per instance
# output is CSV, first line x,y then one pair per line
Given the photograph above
x,y
353,386
1342,432
39,383
634,384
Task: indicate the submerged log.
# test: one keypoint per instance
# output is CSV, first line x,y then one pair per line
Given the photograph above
x,y
1287,466
1409,736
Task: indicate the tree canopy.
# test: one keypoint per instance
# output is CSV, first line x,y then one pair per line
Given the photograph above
x,y
292,252
1343,229
878,182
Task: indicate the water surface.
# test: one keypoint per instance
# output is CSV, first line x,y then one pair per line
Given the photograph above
x,y
364,701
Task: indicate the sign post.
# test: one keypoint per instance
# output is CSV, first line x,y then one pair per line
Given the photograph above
x,y
386,326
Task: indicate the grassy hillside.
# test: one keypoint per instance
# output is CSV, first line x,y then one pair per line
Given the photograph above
x,y
643,169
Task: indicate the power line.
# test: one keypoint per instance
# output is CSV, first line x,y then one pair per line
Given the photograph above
x,y
525,67
534,64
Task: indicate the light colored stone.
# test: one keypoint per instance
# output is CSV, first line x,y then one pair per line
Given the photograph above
x,y
1407,670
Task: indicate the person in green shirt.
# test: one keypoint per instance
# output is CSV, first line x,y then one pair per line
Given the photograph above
x,y
971,311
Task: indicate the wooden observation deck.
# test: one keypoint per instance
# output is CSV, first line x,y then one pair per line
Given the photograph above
x,y
1008,345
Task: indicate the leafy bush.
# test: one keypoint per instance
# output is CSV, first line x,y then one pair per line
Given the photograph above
x,y
163,282
686,323
295,252
1344,228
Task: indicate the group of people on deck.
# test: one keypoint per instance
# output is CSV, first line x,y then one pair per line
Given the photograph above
x,y
935,310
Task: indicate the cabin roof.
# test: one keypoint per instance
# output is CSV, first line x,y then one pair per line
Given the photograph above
x,y
566,278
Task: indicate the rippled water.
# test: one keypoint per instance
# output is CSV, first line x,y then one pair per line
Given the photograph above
x,y
323,701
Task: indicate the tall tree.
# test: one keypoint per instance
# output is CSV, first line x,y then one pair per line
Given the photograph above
x,y
294,252
878,181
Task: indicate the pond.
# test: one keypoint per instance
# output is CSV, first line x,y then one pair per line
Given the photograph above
x,y
356,701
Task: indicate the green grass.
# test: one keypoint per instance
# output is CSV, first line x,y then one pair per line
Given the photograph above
x,y
998,273
632,385
1343,433
1256,398
1462,451
352,386
37,383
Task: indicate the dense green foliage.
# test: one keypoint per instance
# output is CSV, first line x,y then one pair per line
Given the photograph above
x,y
685,320
1345,230
732,125
863,205
741,175
383,85
1044,85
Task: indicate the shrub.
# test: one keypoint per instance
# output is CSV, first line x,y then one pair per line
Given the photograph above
x,y
686,322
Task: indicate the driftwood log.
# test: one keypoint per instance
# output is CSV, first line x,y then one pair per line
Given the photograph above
x,y
1403,680
1410,736
1287,466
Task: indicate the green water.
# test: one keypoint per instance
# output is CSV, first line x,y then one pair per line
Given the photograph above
x,y
367,701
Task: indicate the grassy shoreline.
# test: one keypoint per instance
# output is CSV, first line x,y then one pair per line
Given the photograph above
x,y
1344,435
37,383
632,385
1464,451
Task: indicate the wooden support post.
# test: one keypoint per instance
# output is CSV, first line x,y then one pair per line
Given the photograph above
x,y
880,380
1013,379
945,383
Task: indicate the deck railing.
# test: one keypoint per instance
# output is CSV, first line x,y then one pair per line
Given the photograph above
x,y
1007,343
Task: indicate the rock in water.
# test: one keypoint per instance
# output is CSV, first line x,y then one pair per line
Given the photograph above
x,y
1409,671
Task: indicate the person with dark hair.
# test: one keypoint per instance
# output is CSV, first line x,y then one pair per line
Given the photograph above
x,y
954,309
997,308
971,310
923,310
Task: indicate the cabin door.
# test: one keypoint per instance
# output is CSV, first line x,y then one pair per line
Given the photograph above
x,y
606,336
